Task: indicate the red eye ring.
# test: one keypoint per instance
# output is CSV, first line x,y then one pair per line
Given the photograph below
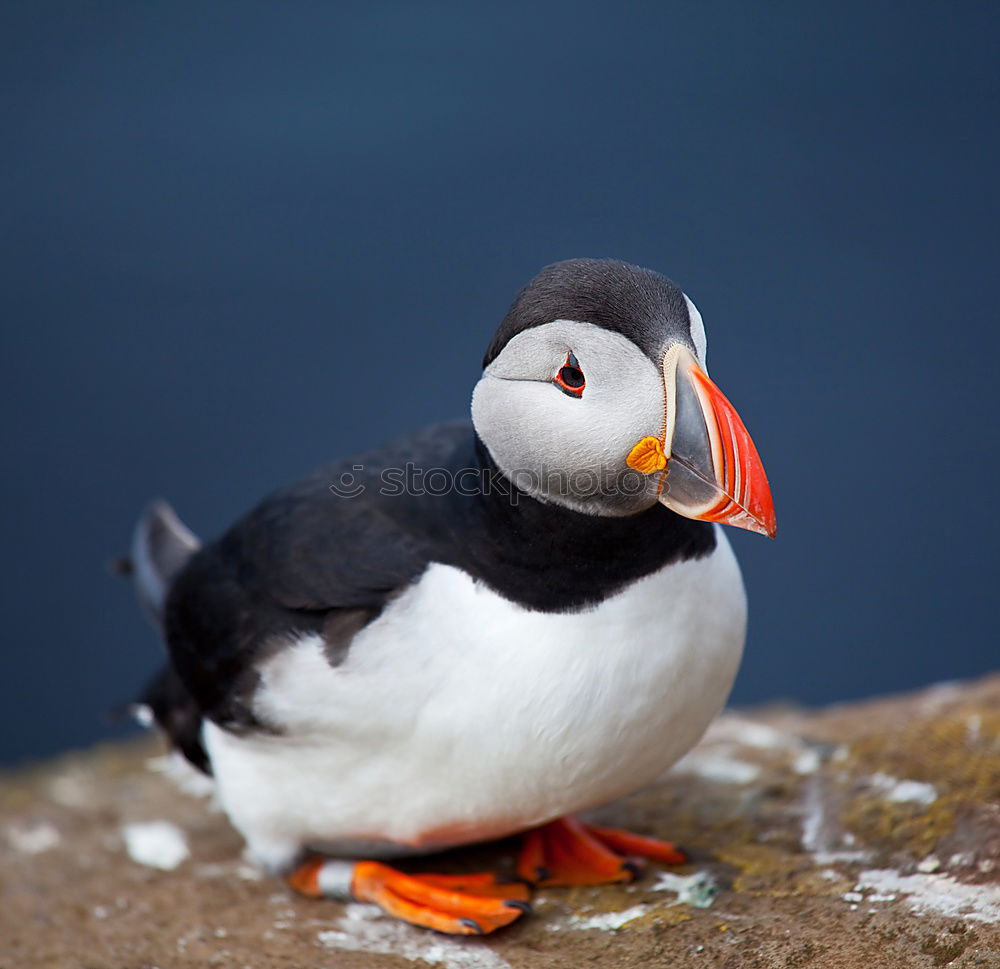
x,y
570,379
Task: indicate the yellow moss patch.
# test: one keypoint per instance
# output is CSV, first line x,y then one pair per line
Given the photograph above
x,y
943,751
962,762
17,798
667,915
764,870
901,827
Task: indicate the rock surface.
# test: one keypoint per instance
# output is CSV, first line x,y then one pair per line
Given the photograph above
x,y
856,836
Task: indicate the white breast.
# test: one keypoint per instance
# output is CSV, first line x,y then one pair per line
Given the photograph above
x,y
459,716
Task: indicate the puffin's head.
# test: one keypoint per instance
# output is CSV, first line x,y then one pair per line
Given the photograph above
x,y
595,396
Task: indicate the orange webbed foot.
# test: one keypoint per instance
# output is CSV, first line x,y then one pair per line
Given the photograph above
x,y
456,904
568,852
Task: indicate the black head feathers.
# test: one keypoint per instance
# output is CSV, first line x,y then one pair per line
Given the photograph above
x,y
642,305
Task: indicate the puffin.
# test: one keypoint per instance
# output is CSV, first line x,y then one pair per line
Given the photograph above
x,y
482,629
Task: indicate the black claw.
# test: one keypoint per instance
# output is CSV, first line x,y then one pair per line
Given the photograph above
x,y
635,867
475,926
542,874
516,903
685,853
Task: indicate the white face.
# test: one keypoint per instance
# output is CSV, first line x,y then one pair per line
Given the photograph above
x,y
570,447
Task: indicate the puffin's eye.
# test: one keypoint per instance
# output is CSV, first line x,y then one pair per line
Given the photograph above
x,y
570,379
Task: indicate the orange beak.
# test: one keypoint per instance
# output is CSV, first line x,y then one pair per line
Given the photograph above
x,y
712,471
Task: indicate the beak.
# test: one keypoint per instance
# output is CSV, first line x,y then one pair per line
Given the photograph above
x,y
713,472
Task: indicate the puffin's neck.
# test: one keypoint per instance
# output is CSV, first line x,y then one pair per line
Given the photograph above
x,y
552,558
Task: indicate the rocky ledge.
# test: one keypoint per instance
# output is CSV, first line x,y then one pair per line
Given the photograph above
x,y
862,835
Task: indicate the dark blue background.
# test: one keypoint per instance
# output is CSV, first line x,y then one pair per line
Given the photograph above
x,y
240,239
